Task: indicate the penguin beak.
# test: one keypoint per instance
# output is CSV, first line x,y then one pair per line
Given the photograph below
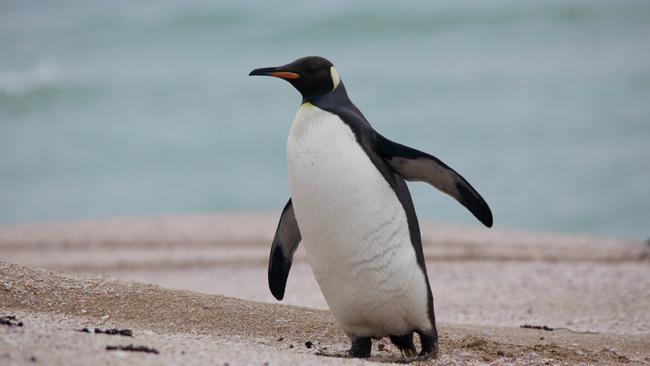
x,y
278,72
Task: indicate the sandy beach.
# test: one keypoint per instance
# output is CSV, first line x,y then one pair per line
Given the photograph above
x,y
194,289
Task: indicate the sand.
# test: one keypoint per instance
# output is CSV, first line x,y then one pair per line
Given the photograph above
x,y
486,284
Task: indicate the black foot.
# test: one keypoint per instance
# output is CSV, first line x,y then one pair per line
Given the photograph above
x,y
429,341
404,344
361,347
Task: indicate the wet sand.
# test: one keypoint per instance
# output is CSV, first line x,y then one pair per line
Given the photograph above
x,y
486,284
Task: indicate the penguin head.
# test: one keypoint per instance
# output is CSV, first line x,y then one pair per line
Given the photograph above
x,y
313,76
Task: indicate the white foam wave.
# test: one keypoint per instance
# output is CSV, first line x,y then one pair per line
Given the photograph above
x,y
24,81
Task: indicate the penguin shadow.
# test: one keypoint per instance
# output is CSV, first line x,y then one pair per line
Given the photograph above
x,y
386,358
382,353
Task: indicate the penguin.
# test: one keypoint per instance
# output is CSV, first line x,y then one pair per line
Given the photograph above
x,y
351,207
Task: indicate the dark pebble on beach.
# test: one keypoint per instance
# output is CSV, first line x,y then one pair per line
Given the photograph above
x,y
11,321
113,331
132,348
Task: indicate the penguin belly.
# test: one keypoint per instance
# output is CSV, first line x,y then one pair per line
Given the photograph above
x,y
354,230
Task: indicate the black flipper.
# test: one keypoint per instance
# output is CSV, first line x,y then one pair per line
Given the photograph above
x,y
286,241
415,165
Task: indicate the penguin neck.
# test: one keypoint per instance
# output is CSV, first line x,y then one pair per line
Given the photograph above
x,y
338,95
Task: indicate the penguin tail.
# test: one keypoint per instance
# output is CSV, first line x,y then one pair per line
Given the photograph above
x,y
404,344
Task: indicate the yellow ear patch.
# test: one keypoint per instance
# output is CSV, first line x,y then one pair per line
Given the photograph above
x,y
336,79
285,75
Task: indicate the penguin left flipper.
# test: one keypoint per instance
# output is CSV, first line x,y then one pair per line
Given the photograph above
x,y
286,241
415,165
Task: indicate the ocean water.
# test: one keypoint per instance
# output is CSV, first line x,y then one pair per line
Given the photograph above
x,y
117,108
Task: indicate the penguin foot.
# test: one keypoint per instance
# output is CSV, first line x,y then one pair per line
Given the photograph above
x,y
404,344
429,342
361,347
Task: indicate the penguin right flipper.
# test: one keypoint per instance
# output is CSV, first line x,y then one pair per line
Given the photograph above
x,y
286,241
415,165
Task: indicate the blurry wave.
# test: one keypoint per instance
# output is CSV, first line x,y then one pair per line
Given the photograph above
x,y
55,94
44,84
21,82
204,18
396,23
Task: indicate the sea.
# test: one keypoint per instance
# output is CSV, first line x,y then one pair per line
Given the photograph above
x,y
121,108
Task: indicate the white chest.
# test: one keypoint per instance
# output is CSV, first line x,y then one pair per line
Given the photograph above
x,y
354,229
331,176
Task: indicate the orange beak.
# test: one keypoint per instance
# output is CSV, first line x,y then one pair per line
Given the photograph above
x,y
285,75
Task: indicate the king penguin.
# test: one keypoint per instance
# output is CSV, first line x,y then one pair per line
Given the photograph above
x,y
351,207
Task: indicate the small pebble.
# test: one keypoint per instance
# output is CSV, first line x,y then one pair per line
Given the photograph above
x,y
308,344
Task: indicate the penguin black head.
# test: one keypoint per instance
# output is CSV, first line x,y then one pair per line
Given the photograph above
x,y
313,76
